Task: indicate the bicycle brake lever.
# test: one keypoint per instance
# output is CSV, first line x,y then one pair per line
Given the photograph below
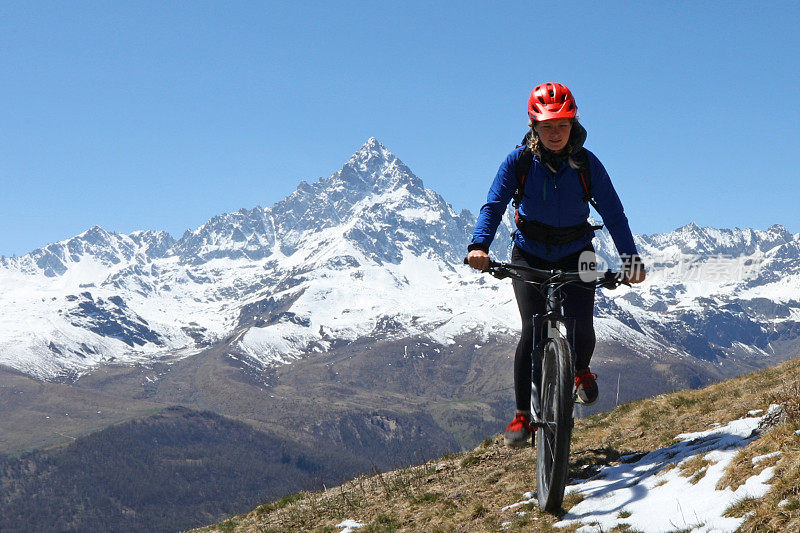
x,y
499,273
502,273
611,280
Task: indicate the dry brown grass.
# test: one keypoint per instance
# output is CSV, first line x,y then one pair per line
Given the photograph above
x,y
779,509
742,466
648,424
768,513
466,492
694,468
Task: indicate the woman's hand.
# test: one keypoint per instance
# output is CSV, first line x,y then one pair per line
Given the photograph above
x,y
634,270
478,259
635,277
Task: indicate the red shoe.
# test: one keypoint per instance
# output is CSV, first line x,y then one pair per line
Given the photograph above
x,y
586,391
518,431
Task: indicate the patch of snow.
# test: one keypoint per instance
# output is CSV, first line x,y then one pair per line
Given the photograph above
x,y
531,498
420,213
760,458
658,498
773,409
349,525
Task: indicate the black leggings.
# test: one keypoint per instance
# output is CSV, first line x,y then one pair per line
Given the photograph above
x,y
578,305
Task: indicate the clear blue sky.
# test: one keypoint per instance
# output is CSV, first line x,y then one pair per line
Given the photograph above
x,y
160,115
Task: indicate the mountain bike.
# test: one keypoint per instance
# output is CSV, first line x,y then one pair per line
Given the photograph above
x,y
552,391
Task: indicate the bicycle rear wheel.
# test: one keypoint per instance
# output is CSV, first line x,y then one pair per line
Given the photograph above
x,y
552,444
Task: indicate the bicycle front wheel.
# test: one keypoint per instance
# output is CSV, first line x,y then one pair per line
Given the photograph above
x,y
552,444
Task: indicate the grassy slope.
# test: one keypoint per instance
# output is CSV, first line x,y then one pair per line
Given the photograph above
x,y
466,492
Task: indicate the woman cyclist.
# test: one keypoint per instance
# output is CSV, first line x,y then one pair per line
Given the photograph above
x,y
552,232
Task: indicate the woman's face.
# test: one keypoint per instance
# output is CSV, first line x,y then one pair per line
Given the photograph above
x,y
554,133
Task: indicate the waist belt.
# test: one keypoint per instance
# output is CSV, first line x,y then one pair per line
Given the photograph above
x,y
552,235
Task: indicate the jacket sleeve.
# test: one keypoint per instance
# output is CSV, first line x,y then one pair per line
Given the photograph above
x,y
500,193
610,208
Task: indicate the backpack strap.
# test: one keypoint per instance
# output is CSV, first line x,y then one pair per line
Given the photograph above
x,y
521,173
585,175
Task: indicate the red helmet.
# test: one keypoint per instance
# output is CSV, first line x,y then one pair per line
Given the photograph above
x,y
551,101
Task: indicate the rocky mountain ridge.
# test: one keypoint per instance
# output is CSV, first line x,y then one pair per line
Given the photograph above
x,y
302,276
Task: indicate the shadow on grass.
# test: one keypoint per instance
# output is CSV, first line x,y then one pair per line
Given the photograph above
x,y
586,463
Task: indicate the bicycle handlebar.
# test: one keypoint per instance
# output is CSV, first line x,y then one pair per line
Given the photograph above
x,y
608,280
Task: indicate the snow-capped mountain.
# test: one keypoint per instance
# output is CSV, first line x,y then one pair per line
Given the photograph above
x,y
367,252
719,293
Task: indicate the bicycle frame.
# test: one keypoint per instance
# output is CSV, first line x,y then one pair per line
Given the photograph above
x,y
555,324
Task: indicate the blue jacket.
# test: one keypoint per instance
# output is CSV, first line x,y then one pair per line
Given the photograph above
x,y
556,200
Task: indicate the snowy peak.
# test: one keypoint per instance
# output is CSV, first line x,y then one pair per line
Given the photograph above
x,y
692,239
153,244
371,158
245,234
373,193
375,169
96,245
371,153
376,203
